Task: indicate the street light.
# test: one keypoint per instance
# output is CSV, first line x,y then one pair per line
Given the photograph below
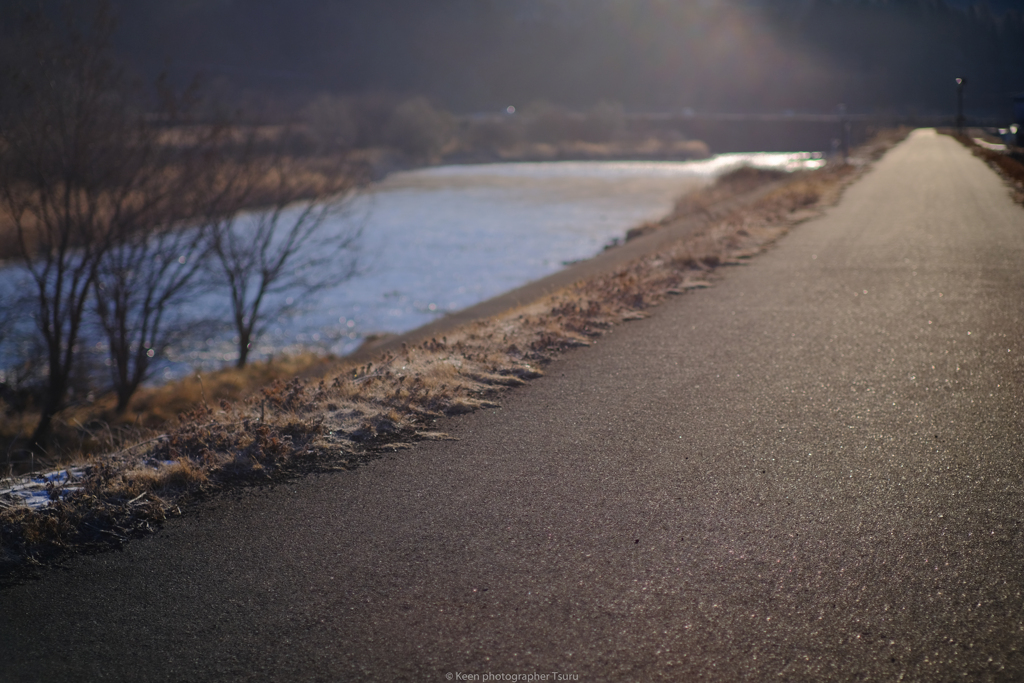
x,y
960,83
844,122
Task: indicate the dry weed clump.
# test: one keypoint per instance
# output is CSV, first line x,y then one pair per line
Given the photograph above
x,y
345,417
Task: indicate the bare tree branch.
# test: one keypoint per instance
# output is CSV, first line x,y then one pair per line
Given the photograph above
x,y
293,247
98,198
59,160
141,282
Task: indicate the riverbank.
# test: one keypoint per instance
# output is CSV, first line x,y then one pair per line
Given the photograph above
x,y
388,401
382,161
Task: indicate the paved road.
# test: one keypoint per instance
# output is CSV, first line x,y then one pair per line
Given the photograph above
x,y
812,471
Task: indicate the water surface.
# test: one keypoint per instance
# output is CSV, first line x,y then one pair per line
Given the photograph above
x,y
441,239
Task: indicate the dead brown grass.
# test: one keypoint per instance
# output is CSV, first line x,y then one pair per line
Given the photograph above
x,y
261,181
356,412
154,407
575,150
86,430
700,202
1006,165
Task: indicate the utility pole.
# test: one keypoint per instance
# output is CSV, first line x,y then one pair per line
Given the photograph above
x,y
960,83
844,121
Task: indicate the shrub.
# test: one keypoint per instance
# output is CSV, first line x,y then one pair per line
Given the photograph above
x,y
418,129
494,135
548,123
332,122
604,122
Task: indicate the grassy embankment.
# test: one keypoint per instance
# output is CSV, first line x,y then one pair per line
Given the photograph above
x,y
350,414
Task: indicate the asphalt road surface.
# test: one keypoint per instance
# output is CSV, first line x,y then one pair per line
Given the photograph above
x,y
811,471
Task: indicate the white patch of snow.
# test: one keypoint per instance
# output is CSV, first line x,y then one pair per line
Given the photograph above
x,y
32,490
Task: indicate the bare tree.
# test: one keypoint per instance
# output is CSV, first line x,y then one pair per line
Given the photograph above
x,y
418,129
138,290
57,168
82,170
150,270
271,260
19,348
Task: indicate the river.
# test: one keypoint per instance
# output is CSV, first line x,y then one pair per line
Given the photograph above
x,y
440,239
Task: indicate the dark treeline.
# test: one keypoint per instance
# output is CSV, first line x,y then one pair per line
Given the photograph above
x,y
477,55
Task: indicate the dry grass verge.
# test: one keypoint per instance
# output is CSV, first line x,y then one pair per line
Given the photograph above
x,y
340,420
651,148
93,428
1009,166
